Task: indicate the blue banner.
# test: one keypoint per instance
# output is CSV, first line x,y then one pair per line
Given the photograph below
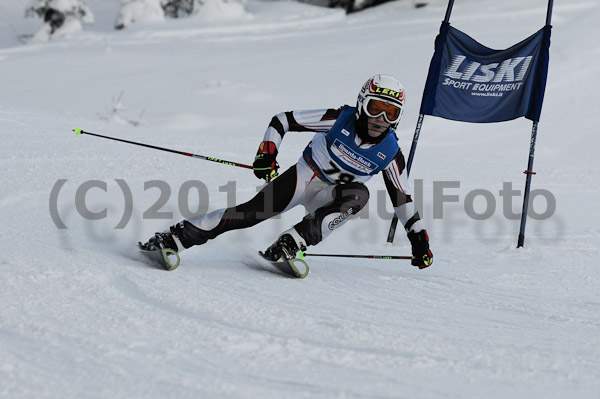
x,y
473,83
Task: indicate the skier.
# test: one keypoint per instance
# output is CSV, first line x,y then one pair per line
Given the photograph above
x,y
351,145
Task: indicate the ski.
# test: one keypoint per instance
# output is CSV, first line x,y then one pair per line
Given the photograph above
x,y
296,268
166,258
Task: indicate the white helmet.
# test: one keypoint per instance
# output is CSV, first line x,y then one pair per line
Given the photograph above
x,y
381,94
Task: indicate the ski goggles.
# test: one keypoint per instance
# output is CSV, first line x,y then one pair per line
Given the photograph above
x,y
374,108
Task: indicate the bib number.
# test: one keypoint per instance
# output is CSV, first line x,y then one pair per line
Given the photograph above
x,y
337,175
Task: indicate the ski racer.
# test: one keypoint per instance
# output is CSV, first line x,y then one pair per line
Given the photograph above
x,y
350,145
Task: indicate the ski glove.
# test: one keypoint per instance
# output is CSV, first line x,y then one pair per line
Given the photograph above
x,y
421,254
265,166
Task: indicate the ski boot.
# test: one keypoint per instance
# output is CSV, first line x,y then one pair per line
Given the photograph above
x,y
282,254
163,248
283,249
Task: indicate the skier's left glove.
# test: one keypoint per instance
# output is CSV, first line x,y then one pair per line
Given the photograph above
x,y
421,254
265,166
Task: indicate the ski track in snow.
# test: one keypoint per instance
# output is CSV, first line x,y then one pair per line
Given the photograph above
x,y
84,316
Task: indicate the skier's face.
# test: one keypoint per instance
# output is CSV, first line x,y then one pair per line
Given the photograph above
x,y
377,126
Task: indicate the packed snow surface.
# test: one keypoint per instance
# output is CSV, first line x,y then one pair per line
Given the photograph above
x,y
84,316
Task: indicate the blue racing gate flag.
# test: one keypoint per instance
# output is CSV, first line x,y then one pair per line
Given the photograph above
x,y
473,83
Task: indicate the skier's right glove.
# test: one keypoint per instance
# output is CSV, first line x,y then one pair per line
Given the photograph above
x,y
265,166
421,254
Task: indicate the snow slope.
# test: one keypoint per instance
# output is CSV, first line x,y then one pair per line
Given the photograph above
x,y
83,316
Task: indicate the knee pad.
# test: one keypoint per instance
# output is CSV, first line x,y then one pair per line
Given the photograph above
x,y
351,195
348,200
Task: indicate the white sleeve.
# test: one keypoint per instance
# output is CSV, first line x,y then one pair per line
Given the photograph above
x,y
396,182
319,120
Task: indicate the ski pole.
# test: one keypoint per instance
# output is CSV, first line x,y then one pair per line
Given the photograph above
x,y
361,256
240,165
